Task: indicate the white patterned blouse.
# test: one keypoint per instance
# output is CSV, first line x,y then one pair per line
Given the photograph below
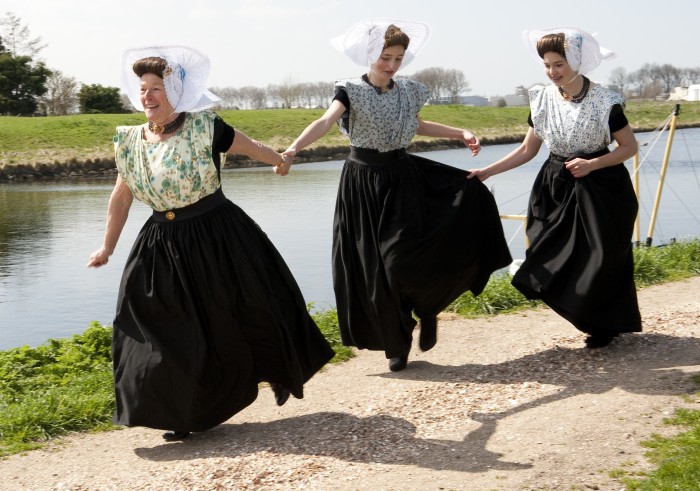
x,y
570,128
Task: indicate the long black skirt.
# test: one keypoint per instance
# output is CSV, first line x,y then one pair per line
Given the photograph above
x,y
410,235
580,261
207,309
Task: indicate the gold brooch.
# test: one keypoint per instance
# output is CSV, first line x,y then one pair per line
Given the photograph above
x,y
170,215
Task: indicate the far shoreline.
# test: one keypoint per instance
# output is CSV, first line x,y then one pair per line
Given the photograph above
x,y
104,167
75,168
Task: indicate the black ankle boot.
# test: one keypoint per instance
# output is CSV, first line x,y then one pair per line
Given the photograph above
x,y
175,435
281,394
399,363
598,341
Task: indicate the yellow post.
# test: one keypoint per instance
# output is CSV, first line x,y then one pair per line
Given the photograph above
x,y
664,166
635,182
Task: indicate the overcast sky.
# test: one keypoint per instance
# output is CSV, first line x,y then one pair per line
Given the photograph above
x,y
261,42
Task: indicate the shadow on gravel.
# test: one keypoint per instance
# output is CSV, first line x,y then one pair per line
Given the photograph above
x,y
649,364
374,439
639,363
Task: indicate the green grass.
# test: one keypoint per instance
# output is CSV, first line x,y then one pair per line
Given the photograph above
x,y
60,139
677,458
66,385
327,322
59,387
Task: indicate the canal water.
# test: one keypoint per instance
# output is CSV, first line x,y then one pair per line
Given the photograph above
x,y
49,229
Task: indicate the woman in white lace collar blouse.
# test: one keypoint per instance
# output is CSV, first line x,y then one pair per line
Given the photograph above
x,y
582,207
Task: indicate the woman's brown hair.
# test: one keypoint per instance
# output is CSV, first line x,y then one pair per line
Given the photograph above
x,y
552,43
395,37
153,64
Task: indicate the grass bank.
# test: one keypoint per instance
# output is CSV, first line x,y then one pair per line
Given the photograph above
x,y
60,146
66,385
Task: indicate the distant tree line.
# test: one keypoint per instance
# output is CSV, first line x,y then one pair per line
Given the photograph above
x,y
28,87
286,95
653,80
442,83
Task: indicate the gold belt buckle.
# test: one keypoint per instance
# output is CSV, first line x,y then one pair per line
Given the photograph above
x,y
170,215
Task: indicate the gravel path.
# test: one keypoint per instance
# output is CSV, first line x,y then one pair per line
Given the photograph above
x,y
511,402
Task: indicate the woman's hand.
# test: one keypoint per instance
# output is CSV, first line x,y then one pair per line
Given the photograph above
x,y
472,142
480,174
579,167
99,258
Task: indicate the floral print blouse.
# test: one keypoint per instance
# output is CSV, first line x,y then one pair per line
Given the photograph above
x,y
570,128
382,121
173,173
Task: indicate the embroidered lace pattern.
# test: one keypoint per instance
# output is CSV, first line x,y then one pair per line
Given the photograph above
x,y
386,121
173,173
569,128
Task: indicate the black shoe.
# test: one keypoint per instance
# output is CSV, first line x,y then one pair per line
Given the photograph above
x,y
397,364
281,394
174,435
428,333
593,342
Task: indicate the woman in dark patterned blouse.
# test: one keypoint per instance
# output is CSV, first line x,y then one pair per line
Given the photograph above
x,y
409,235
582,206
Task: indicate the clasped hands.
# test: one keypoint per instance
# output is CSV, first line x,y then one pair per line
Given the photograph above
x,y
286,160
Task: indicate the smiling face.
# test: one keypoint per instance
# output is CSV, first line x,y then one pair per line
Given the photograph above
x,y
382,70
557,68
154,100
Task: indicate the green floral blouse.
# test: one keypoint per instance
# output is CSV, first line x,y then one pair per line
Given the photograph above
x,y
173,173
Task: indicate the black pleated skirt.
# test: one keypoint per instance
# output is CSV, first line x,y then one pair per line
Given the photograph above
x,y
207,309
580,261
410,236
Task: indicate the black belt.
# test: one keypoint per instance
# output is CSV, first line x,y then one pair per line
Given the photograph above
x,y
201,207
559,159
371,156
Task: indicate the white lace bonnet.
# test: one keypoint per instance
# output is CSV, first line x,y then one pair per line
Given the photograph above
x,y
583,53
185,77
363,43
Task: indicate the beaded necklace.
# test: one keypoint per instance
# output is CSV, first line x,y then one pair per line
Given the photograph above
x,y
167,128
581,95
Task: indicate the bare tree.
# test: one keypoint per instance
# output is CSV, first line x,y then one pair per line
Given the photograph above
x,y
522,91
645,80
61,96
619,78
307,94
455,84
230,98
324,93
433,78
17,39
668,75
289,93
443,83
257,97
